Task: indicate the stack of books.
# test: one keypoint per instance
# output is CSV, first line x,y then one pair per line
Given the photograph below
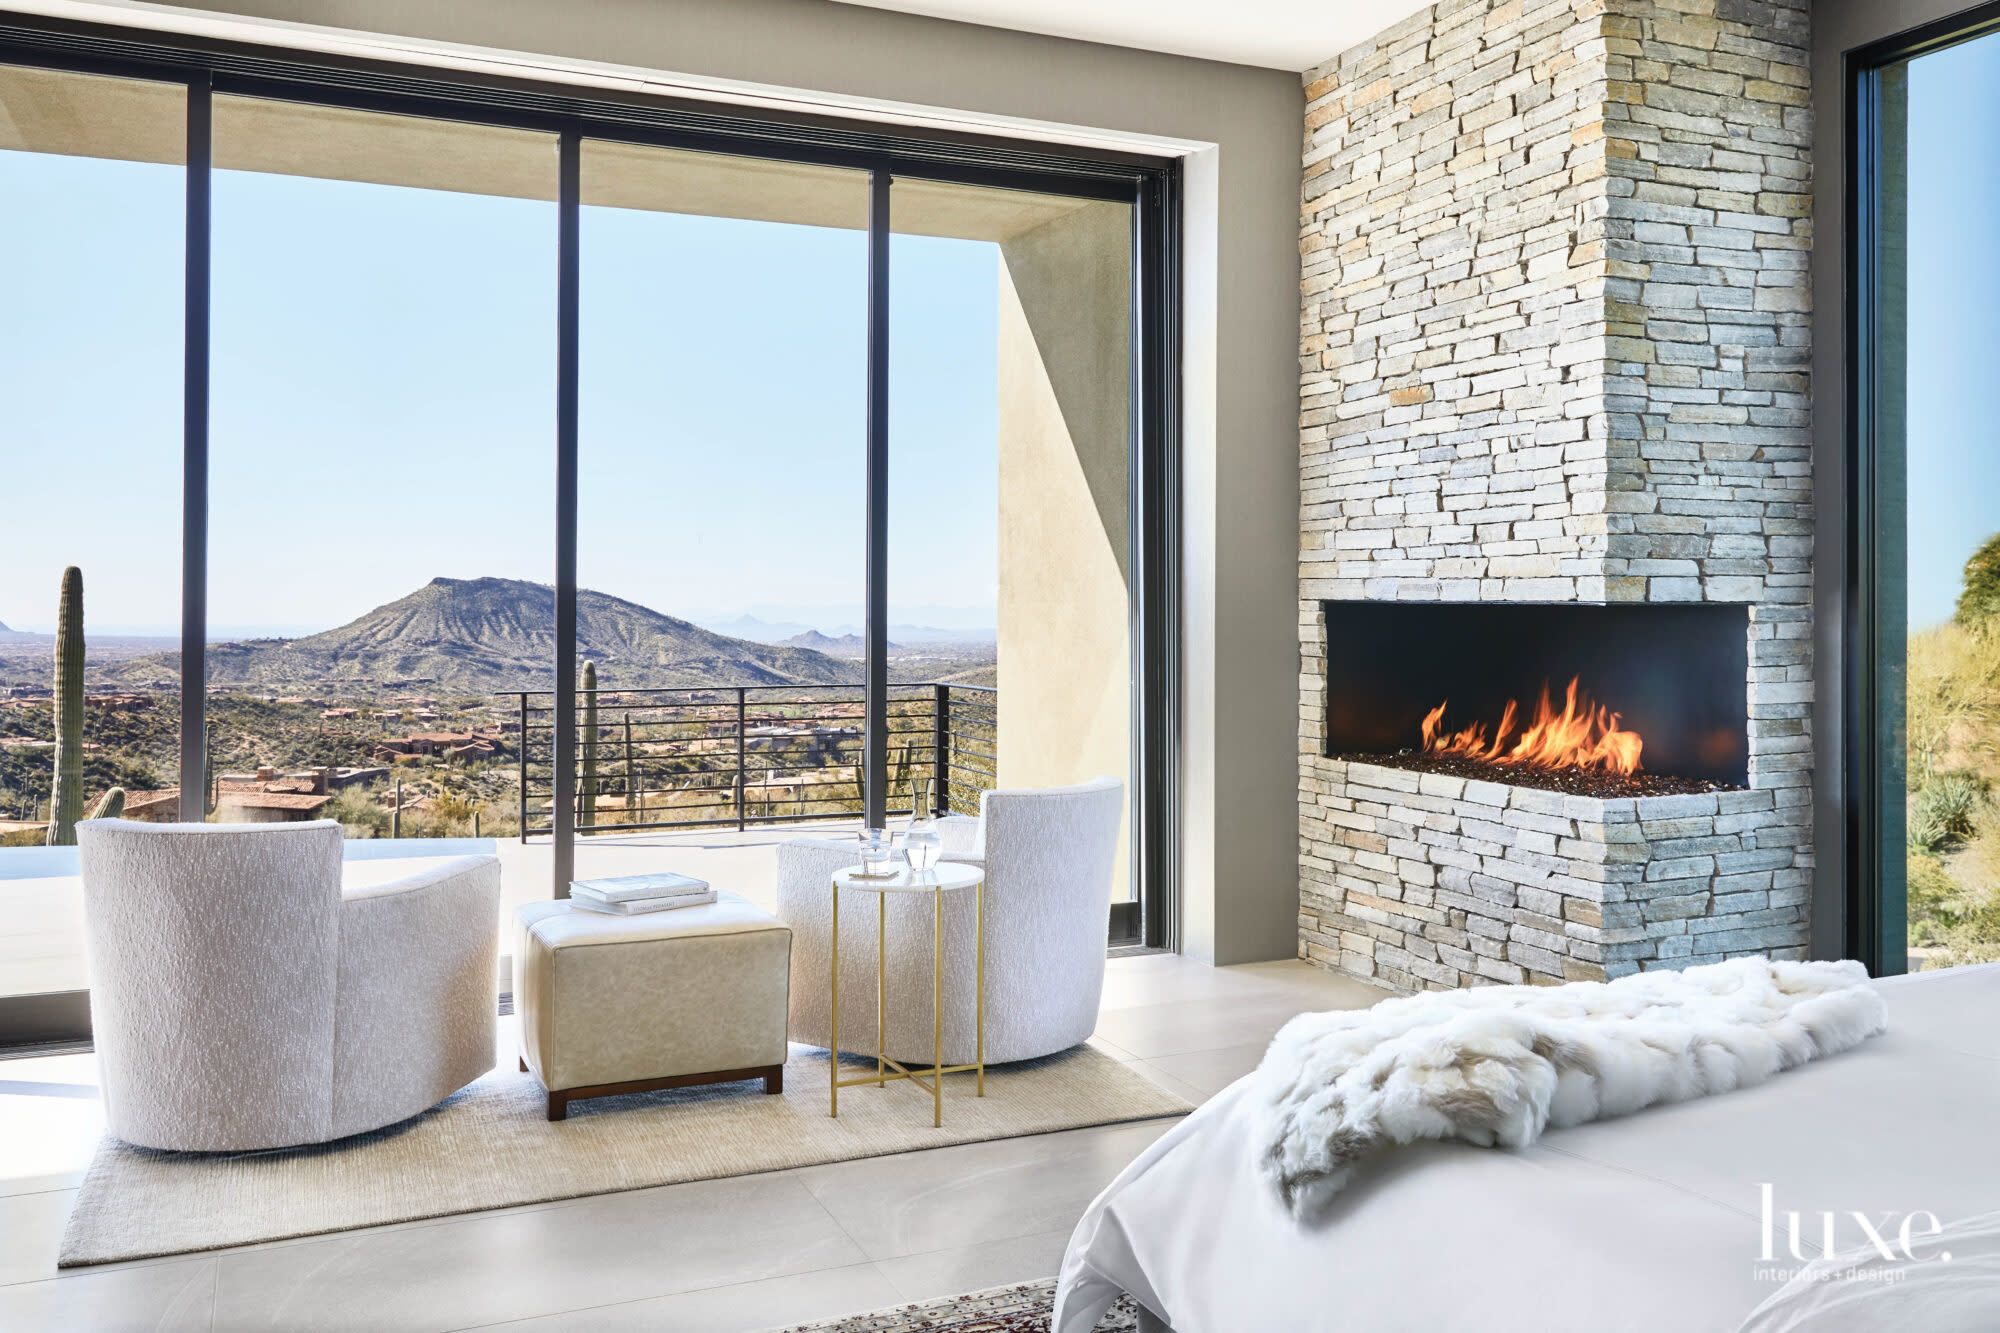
x,y
629,895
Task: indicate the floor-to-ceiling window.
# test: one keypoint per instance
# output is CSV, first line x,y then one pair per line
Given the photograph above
x,y
1009,490
1930,488
408,371
721,485
380,530
92,201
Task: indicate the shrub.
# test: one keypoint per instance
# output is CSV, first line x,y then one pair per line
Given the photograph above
x,y
1936,903
1953,699
1980,597
359,814
1943,810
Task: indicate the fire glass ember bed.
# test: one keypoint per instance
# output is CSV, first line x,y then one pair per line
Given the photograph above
x,y
1608,701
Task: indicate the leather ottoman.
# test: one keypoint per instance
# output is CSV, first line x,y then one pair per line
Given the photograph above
x,y
618,1004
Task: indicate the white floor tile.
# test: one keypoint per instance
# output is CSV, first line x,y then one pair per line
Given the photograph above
x,y
976,1192
999,1263
177,1297
490,1267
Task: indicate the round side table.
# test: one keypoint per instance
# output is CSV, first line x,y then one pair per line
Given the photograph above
x,y
939,880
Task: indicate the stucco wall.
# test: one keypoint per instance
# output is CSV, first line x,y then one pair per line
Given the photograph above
x,y
1065,660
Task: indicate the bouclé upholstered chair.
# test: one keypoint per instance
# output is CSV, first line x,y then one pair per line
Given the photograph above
x,y
1048,856
240,999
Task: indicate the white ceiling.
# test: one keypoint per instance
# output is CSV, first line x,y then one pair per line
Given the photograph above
x,y
1277,34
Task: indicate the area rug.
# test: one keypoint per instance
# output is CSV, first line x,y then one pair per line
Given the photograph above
x,y
491,1146
1022,1309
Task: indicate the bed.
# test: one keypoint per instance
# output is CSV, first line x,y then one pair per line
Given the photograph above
x,y
1652,1222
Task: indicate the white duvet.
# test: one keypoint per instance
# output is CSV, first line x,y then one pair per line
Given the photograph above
x,y
1657,1221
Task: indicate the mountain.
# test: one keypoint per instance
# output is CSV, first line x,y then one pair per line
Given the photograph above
x,y
792,631
929,636
847,645
479,636
755,630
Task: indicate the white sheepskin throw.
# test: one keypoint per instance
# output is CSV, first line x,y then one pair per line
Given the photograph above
x,y
1494,1065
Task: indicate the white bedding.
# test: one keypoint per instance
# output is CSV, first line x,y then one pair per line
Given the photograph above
x,y
1653,1222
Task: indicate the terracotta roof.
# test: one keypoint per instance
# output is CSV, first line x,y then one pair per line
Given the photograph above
x,y
277,800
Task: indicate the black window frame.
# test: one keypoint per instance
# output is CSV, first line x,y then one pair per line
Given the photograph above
x,y
1150,184
1874,910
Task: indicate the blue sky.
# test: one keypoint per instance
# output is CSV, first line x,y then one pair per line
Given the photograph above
x,y
1954,318
383,403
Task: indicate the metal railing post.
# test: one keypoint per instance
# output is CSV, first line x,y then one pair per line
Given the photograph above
x,y
521,750
941,748
741,752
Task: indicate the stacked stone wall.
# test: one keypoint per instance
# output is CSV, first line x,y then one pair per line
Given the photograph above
x,y
1554,348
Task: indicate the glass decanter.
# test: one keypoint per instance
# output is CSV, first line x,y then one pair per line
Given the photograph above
x,y
921,840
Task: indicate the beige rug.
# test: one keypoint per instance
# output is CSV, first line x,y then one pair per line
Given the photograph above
x,y
491,1146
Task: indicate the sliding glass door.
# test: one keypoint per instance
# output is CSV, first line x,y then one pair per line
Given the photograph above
x,y
1009,616
721,515
1930,493
457,464
93,181
380,531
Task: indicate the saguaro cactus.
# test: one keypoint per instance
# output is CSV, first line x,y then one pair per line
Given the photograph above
x,y
110,805
66,799
586,787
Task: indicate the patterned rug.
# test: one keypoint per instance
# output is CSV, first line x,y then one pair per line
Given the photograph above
x,y
1022,1309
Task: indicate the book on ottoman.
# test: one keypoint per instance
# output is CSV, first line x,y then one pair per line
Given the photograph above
x,y
629,895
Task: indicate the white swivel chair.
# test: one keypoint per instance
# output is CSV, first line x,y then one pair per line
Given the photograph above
x,y
241,1000
1048,856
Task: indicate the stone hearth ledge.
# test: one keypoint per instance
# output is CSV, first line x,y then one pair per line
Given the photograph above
x,y
1422,881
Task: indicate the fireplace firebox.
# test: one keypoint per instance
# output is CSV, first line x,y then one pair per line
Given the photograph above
x,y
1611,700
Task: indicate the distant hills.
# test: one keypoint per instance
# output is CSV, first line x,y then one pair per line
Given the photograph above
x,y
847,645
480,636
906,636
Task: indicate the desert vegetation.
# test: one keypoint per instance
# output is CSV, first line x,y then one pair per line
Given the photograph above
x,y
1953,775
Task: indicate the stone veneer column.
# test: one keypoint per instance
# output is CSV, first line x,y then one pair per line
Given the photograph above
x,y
1553,348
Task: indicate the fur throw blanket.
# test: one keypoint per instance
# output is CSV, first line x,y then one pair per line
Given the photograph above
x,y
1494,1065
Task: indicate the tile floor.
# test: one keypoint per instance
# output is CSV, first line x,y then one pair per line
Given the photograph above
x,y
751,1253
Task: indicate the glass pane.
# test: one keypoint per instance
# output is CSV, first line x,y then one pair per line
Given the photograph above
x,y
720,547
90,417
381,539
1939,490
1010,371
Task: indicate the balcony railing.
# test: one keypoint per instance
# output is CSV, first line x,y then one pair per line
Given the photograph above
x,y
739,755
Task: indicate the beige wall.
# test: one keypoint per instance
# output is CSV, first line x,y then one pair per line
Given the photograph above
x,y
1239,128
1065,653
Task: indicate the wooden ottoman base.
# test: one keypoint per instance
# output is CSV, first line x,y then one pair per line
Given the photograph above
x,y
773,1076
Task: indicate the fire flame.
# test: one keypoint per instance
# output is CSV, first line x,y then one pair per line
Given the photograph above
x,y
1582,735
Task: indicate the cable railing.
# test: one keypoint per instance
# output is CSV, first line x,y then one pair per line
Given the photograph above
x,y
741,755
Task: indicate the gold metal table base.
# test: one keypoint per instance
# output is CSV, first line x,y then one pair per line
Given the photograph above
x,y
931,1078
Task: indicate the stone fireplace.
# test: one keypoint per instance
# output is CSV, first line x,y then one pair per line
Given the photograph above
x,y
1555,426
1667,678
